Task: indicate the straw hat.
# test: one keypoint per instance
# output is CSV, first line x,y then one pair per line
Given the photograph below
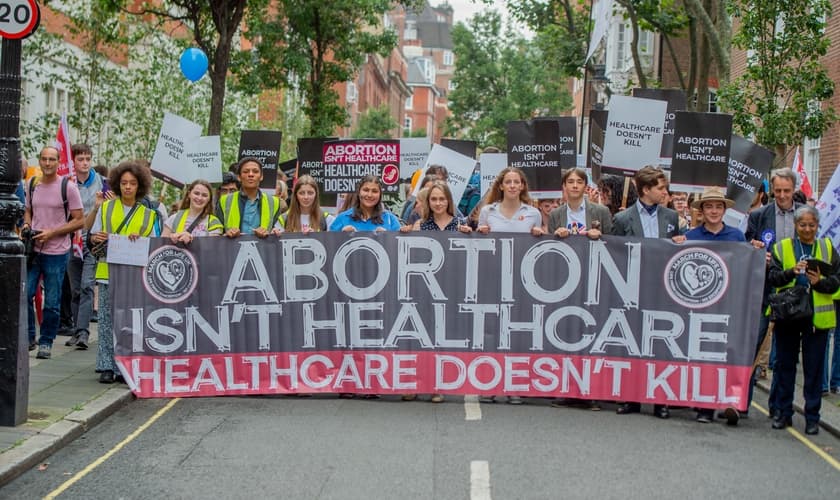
x,y
712,194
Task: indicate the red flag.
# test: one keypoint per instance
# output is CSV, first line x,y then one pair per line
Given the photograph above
x,y
799,168
62,143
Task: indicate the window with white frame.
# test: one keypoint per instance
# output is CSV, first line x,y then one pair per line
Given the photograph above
x,y
352,92
57,100
451,85
407,124
410,32
409,102
448,58
620,47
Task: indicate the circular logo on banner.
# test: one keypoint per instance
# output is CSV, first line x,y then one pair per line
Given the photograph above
x,y
696,277
171,274
390,174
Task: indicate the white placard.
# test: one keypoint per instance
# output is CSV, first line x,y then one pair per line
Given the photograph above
x,y
176,137
460,168
204,155
490,164
122,250
634,132
413,154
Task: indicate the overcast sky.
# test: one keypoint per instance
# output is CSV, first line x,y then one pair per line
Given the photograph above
x,y
465,9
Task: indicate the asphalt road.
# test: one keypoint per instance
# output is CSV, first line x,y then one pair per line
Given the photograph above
x,y
285,447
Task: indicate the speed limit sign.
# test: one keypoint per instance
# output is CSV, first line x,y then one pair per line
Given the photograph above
x,y
18,18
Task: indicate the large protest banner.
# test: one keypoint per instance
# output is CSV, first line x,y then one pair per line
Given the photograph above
x,y
169,161
634,132
542,148
263,145
395,313
701,151
676,102
749,165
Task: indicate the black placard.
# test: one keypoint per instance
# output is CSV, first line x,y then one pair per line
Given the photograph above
x,y
265,146
466,148
310,151
542,148
701,150
749,165
595,153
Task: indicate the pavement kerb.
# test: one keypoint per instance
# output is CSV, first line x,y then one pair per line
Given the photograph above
x,y
826,424
37,448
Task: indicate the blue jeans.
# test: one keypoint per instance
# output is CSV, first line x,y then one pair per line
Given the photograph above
x,y
82,273
51,268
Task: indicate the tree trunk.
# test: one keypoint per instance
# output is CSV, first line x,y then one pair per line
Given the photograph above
x,y
218,76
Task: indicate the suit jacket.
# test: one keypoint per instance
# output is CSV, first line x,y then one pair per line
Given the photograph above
x,y
594,212
761,219
628,223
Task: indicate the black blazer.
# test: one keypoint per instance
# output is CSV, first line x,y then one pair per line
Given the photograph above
x,y
761,219
628,223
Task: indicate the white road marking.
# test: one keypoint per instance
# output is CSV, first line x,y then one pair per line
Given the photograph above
x,y
472,408
479,480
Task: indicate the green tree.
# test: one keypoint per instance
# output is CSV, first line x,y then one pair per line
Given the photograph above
x,y
779,99
376,123
310,47
213,25
499,77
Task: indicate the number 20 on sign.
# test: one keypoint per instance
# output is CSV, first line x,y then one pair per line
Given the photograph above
x,y
18,18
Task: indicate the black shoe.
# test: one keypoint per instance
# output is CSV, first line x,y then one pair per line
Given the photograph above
x,y
812,428
782,422
704,416
627,408
661,411
94,317
732,416
33,345
106,377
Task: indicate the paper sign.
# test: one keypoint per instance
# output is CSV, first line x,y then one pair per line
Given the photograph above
x,y
265,146
634,132
122,250
204,155
595,153
748,167
413,154
466,148
829,207
348,161
542,148
676,102
490,166
460,169
169,161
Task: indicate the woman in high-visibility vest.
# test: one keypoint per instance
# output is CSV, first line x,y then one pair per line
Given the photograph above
x,y
124,215
796,262
305,214
195,218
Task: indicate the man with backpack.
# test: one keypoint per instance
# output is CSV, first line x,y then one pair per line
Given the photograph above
x,y
53,212
81,271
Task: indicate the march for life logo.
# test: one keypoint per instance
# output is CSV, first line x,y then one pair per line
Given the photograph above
x,y
171,275
696,278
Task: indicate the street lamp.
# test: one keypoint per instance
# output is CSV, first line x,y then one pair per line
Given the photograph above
x,y
601,86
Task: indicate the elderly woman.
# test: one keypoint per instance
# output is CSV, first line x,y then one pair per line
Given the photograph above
x,y
796,263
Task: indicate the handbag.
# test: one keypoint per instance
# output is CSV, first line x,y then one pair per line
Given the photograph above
x,y
100,250
791,304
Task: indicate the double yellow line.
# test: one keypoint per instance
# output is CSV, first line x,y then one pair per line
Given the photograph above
x,y
807,442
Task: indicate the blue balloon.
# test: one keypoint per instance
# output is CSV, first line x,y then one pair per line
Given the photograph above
x,y
193,64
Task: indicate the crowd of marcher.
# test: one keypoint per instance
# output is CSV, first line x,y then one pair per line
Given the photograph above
x,y
67,224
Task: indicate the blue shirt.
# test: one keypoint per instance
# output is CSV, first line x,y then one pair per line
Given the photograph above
x,y
389,222
728,233
251,215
